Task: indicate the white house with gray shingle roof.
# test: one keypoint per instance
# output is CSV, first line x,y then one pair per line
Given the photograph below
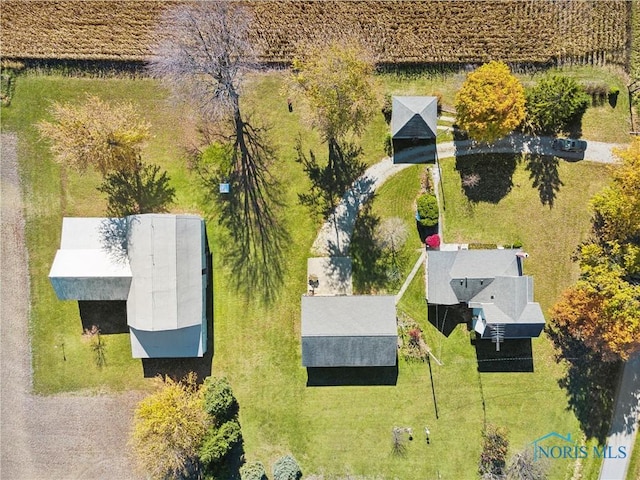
x,y
491,284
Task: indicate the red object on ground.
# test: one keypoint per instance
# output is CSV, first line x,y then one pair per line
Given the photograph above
x,y
433,241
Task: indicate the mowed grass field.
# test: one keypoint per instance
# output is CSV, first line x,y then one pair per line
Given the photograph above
x,y
330,430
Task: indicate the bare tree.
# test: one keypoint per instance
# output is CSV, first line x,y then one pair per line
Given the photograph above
x,y
202,57
204,52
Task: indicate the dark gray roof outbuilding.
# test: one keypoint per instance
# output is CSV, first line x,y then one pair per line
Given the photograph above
x,y
349,331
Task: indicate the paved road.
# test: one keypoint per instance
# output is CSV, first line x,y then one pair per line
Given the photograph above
x,y
57,437
624,426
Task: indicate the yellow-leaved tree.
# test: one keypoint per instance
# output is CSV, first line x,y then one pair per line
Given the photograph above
x,y
490,103
337,80
603,308
105,136
169,427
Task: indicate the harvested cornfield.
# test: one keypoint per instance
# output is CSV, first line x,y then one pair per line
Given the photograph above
x,y
399,32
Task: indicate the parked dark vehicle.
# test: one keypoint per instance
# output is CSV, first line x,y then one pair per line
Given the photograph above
x,y
569,145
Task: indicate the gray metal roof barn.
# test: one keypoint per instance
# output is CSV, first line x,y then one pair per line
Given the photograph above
x,y
162,276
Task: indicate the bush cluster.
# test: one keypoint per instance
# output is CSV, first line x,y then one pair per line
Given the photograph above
x,y
427,204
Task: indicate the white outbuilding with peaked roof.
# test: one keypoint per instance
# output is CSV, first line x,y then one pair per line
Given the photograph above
x,y
84,267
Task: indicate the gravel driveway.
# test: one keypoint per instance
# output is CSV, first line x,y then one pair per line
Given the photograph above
x,y
57,437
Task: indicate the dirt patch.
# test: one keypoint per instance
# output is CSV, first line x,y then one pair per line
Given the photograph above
x,y
59,437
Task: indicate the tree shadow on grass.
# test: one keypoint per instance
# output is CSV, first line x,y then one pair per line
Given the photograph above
x,y
251,212
590,383
514,355
487,177
543,172
369,269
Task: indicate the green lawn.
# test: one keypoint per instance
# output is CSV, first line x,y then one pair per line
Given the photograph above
x,y
330,430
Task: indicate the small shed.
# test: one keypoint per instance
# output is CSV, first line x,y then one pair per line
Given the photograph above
x,y
349,331
414,129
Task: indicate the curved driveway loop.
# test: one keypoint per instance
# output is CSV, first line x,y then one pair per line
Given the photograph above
x,y
335,235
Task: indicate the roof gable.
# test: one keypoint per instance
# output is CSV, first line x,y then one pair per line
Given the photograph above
x,y
488,279
414,117
166,257
349,315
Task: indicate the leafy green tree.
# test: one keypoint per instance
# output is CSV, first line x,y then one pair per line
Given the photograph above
x,y
143,190
169,426
219,401
253,471
494,452
337,80
105,136
554,104
491,102
286,468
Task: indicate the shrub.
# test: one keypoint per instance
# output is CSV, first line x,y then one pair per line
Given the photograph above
x,y
433,241
219,401
253,471
388,145
494,451
219,442
554,104
427,209
286,468
387,108
598,91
